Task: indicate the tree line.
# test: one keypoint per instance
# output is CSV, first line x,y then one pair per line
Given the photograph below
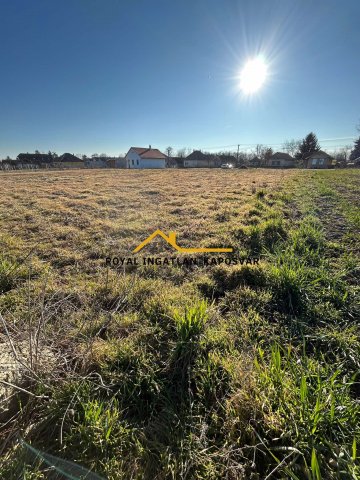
x,y
298,149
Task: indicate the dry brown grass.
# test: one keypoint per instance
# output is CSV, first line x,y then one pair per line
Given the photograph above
x,y
79,216
178,360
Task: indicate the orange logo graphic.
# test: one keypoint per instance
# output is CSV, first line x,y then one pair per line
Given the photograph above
x,y
171,240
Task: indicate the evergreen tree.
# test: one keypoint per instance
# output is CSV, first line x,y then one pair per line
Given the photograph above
x,y
308,146
355,152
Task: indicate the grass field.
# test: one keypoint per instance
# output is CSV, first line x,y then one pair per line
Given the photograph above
x,y
171,372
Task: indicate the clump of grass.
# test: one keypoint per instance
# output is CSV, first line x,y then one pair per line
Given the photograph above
x,y
134,372
338,345
273,232
307,239
206,286
310,403
260,194
223,216
190,323
229,278
288,286
263,235
6,279
213,380
254,239
11,273
260,206
244,297
254,212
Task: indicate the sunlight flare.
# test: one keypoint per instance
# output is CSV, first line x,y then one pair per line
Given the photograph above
x,y
253,75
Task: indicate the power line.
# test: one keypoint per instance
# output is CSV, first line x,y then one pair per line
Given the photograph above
x,y
324,140
280,144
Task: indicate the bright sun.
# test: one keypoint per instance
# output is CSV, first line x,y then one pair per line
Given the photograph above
x,y
253,75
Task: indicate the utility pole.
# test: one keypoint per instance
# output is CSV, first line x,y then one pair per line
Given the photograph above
x,y
237,156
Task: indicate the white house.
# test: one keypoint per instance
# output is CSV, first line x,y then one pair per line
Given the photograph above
x,y
138,157
198,159
281,160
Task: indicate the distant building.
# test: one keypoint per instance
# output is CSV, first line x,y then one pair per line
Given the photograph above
x,y
177,162
198,159
105,162
68,160
139,157
172,162
319,159
281,160
255,162
35,158
95,162
116,162
354,164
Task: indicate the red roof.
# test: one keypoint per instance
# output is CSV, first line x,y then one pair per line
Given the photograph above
x,y
148,152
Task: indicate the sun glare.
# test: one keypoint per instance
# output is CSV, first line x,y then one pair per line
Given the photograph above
x,y
253,75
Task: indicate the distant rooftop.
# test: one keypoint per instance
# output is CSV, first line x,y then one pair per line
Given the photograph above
x,y
281,156
148,152
199,155
321,153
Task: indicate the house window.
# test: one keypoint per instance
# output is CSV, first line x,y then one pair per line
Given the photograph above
x,y
137,162
314,161
132,161
321,161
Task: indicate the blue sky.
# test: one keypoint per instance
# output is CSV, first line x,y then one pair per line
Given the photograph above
x,y
89,76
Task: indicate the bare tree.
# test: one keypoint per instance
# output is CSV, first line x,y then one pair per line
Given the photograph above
x,y
259,150
347,150
291,146
244,157
267,153
169,151
263,152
